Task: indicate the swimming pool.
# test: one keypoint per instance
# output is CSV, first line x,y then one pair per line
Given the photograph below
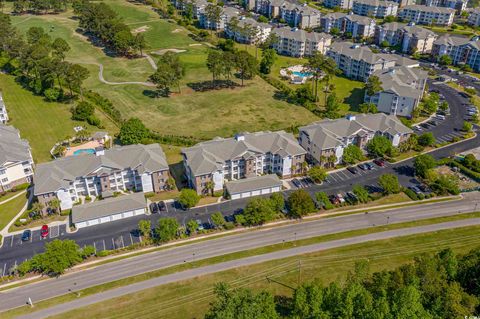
x,y
84,151
302,74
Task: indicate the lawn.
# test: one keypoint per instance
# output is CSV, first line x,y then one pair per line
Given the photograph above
x,y
190,113
190,298
41,123
10,209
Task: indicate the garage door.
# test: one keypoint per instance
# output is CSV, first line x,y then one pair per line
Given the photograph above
x,y
127,214
81,225
92,222
236,196
105,219
116,216
255,193
246,194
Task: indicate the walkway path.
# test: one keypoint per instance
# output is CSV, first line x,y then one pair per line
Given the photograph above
x,y
201,271
4,231
102,79
13,197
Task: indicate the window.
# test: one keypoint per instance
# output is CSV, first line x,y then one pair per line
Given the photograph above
x,y
2,171
4,180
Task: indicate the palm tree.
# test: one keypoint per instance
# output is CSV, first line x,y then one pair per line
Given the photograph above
x,y
304,167
55,205
321,65
331,160
209,186
38,207
323,160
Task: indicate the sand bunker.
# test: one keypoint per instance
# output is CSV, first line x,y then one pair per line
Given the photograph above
x,y
141,29
169,50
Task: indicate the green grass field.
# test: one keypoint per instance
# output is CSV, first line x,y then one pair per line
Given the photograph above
x,y
11,208
190,298
201,114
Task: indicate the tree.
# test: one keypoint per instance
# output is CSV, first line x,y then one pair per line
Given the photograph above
x,y
83,111
192,227
361,193
300,204
407,304
163,77
218,219
445,184
332,107
54,204
317,173
321,66
215,64
445,60
426,139
241,303
246,65
133,131
368,108
37,207
389,183
74,77
188,198
258,211
322,198
467,127
422,164
213,14
379,146
60,48
278,202
177,70
373,85
269,56
443,106
167,229
145,228
59,255
352,154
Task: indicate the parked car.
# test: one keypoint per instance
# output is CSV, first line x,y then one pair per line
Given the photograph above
x,y
352,169
380,162
154,208
44,231
297,183
351,198
27,234
334,199
341,199
415,189
369,166
424,188
200,225
363,167
318,205
162,206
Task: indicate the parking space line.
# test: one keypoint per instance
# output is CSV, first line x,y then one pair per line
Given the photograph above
x,y
94,246
123,243
113,243
140,238
4,267
131,239
334,179
11,242
104,246
345,174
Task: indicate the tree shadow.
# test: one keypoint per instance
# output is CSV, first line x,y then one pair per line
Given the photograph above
x,y
405,170
157,93
355,99
205,86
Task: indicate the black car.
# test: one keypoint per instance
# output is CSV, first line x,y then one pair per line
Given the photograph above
x,y
352,170
153,208
363,167
162,206
27,234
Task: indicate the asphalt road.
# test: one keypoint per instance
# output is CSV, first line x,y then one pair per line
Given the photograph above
x,y
201,271
124,232
225,245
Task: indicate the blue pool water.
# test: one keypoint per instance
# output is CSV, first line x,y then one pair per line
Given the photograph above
x,y
84,151
302,74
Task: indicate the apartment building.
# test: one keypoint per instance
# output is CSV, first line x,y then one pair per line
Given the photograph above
x,y
462,50
16,163
474,17
341,4
301,16
128,168
3,111
421,14
458,5
375,8
243,156
269,8
226,15
257,32
299,43
328,138
357,26
410,38
196,6
358,62
402,90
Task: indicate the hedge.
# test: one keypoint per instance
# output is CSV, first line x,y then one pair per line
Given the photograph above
x,y
106,106
466,171
410,194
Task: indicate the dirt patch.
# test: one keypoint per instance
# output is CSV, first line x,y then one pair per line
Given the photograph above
x,y
194,44
141,29
160,52
464,182
177,30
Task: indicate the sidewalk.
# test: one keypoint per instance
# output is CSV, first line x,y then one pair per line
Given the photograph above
x,y
13,197
4,231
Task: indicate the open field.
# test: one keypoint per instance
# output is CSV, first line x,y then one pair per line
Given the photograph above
x,y
11,208
189,299
201,114
41,123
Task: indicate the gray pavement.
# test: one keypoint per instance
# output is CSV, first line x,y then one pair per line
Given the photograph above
x,y
201,271
220,246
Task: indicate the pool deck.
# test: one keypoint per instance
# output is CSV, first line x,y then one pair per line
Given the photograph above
x,y
89,145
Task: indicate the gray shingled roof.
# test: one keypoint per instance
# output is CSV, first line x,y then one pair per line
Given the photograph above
x,y
377,2
12,147
400,60
252,22
51,176
107,207
328,133
418,7
300,35
451,40
350,16
207,157
418,31
358,52
253,184
392,26
400,81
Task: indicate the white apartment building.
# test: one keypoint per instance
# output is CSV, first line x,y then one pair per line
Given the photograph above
x,y
342,4
258,32
16,163
474,17
462,50
298,43
375,8
329,138
402,90
356,25
244,156
197,6
301,16
420,14
358,62
226,15
409,37
3,111
128,168
458,5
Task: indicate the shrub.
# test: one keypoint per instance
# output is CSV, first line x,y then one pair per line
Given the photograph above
x,y
103,253
52,94
410,194
87,251
229,225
